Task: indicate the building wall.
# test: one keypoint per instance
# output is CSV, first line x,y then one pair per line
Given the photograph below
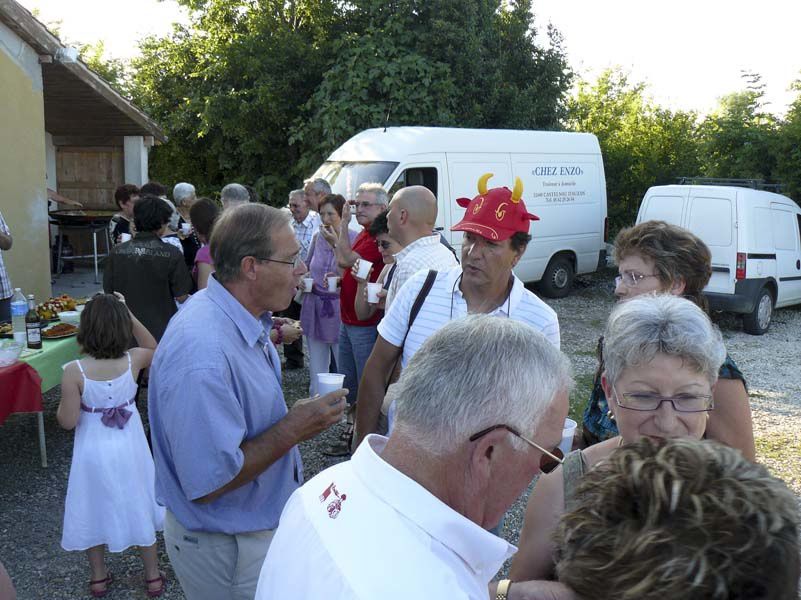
x,y
23,195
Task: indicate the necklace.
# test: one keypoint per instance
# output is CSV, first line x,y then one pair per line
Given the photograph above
x,y
508,296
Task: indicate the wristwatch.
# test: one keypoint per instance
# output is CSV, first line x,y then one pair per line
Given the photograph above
x,y
501,593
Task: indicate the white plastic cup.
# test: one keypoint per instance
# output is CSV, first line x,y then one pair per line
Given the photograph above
x,y
308,282
566,445
329,382
332,284
186,228
125,237
364,268
372,292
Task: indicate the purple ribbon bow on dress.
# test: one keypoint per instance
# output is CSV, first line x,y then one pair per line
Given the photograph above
x,y
116,416
327,308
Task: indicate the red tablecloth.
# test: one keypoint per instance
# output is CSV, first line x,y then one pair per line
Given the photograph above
x,y
20,390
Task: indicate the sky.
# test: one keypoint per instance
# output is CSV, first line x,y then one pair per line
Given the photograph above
x,y
689,52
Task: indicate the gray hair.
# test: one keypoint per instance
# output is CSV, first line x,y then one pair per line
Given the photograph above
x,y
234,193
319,185
376,189
643,327
294,193
241,231
183,192
474,373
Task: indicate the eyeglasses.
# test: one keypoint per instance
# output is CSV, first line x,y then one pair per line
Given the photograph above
x,y
631,278
549,460
685,403
366,204
295,262
384,244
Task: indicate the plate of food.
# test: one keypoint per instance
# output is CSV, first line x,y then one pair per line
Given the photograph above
x,y
6,331
62,330
48,311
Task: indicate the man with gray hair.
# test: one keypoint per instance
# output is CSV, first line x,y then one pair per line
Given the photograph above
x,y
224,443
478,408
315,190
183,194
234,194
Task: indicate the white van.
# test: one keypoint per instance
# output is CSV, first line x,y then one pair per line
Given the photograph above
x,y
755,240
562,174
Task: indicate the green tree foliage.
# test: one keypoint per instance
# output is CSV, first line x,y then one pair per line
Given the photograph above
x,y
435,62
261,90
227,87
642,144
788,148
739,137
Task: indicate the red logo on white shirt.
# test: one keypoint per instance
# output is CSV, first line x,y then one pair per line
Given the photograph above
x,y
335,505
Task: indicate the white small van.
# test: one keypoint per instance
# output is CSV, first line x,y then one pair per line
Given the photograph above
x,y
562,174
755,240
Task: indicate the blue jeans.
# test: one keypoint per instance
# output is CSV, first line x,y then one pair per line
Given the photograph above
x,y
355,345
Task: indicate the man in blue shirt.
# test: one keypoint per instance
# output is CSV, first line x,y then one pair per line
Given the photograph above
x,y
224,443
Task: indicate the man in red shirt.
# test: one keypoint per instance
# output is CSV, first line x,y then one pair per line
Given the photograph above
x,y
356,337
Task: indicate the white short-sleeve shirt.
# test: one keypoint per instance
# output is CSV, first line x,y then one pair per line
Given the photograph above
x,y
422,254
362,530
445,302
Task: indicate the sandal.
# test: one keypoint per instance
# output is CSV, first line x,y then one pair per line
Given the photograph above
x,y
338,448
156,593
101,593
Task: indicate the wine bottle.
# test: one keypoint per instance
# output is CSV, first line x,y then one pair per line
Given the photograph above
x,y
33,325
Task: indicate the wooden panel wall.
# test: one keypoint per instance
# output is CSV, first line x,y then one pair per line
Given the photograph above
x,y
90,174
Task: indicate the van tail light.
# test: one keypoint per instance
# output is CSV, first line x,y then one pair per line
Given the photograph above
x,y
740,274
606,229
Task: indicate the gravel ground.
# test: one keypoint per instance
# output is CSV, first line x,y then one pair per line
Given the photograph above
x,y
31,498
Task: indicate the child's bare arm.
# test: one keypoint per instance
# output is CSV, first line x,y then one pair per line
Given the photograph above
x,y
69,409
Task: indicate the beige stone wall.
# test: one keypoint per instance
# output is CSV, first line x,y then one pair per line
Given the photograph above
x,y
23,195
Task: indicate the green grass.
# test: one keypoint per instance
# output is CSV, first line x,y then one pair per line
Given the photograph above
x,y
579,396
781,454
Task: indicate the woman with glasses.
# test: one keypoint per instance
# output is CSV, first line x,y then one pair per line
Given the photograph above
x,y
319,313
657,257
661,358
388,248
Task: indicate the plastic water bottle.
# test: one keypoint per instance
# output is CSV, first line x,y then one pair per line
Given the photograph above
x,y
19,307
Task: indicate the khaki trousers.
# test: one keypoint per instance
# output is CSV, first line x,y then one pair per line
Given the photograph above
x,y
216,566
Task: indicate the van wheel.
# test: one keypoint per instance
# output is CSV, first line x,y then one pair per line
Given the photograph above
x,y
758,320
558,277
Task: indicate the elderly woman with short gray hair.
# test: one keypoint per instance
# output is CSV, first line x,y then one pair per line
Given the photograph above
x,y
662,356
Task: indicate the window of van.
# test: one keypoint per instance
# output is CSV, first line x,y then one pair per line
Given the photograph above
x,y
425,176
706,217
665,208
784,229
346,177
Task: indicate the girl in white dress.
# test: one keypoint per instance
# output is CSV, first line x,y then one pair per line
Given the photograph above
x,y
111,491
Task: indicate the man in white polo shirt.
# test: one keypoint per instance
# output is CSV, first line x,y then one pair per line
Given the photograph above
x,y
496,226
411,219
408,516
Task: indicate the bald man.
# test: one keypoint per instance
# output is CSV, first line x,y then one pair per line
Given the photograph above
x,y
411,219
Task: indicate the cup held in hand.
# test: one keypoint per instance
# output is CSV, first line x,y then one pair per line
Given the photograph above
x,y
332,284
329,382
372,292
308,282
364,268
566,445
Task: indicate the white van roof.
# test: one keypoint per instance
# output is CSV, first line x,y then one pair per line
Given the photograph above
x,y
395,143
747,194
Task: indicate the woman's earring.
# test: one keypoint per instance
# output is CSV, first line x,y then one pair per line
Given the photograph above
x,y
610,415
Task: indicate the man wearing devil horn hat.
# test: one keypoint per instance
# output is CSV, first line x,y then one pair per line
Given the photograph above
x,y
496,232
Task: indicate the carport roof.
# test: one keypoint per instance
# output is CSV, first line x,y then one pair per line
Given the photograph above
x,y
77,101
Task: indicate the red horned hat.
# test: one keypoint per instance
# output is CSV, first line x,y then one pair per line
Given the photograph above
x,y
495,214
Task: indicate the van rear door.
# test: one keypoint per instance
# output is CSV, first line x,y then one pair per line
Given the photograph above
x,y
664,203
785,225
712,216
